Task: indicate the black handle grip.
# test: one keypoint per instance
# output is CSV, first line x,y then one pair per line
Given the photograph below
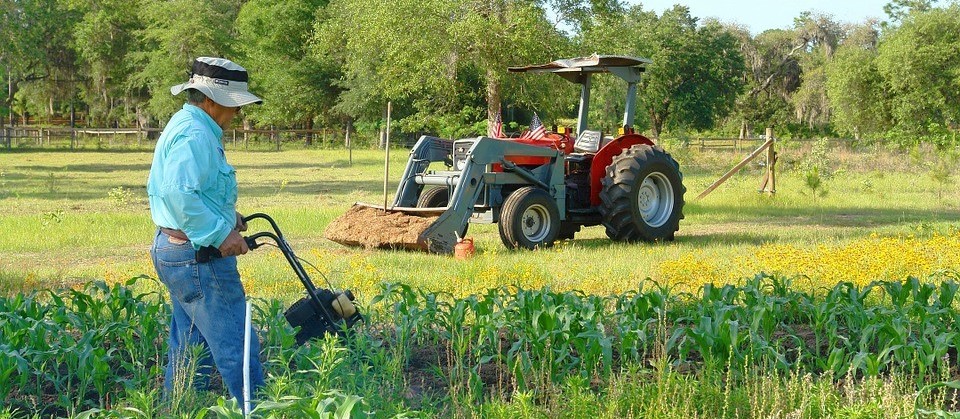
x,y
252,239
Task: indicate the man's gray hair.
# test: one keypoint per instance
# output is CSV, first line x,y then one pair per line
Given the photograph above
x,y
195,97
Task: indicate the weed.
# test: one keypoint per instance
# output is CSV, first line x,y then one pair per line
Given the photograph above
x,y
52,183
121,196
814,182
941,172
51,218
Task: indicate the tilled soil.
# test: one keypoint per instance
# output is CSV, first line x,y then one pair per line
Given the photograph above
x,y
376,228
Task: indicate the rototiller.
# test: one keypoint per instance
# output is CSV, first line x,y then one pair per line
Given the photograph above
x,y
322,311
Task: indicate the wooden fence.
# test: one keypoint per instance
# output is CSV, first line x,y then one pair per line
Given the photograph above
x,y
747,144
79,138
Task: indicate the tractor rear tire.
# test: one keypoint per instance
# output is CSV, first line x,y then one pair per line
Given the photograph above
x,y
642,195
433,198
529,219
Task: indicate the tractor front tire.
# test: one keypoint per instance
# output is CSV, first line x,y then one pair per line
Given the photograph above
x,y
642,195
529,219
433,198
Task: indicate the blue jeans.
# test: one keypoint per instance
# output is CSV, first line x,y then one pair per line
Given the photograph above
x,y
209,307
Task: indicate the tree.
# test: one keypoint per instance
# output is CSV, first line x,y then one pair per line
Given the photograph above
x,y
35,47
786,83
898,10
175,33
919,63
274,38
431,55
104,37
696,71
821,36
855,87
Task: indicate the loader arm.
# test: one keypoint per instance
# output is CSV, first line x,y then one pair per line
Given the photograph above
x,y
468,183
427,150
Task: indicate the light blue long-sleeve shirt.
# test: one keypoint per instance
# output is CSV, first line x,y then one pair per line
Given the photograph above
x,y
191,187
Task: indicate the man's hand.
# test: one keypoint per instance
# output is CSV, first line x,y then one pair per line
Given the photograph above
x,y
241,225
234,245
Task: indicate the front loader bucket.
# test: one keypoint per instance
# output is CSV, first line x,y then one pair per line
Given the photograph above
x,y
406,226
395,228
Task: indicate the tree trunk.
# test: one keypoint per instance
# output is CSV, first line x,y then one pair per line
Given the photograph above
x,y
10,96
656,124
493,98
3,129
309,140
658,118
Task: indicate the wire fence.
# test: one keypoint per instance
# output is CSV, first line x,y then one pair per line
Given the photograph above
x,y
21,137
25,137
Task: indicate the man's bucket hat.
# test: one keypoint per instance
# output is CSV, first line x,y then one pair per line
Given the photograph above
x,y
222,80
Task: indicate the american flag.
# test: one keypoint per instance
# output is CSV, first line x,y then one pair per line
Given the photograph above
x,y
496,130
536,131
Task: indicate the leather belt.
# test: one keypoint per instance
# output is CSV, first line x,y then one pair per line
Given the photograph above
x,y
177,234
205,254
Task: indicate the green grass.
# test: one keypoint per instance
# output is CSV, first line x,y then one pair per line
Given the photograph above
x,y
66,218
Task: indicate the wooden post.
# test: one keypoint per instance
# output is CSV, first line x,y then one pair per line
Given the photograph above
x,y
386,163
770,159
349,144
273,133
246,134
743,134
735,169
773,167
769,182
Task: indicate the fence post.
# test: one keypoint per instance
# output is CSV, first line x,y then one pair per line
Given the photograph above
x,y
771,178
735,169
349,145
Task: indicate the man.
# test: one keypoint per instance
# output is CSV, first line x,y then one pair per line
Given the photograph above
x,y
193,196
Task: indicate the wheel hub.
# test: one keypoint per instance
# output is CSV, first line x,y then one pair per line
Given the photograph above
x,y
535,223
655,199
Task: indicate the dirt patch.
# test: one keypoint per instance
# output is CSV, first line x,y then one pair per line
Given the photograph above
x,y
375,228
423,372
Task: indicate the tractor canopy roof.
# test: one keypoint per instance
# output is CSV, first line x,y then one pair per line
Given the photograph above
x,y
573,69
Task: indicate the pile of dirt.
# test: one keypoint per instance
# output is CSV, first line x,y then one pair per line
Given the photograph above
x,y
376,228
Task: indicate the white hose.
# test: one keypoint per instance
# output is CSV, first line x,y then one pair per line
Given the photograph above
x,y
246,362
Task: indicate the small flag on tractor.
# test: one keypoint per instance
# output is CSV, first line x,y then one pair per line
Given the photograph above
x,y
536,131
496,130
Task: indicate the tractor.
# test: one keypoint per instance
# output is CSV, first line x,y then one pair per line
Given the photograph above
x,y
539,190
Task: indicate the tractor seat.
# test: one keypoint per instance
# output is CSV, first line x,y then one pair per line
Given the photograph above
x,y
588,141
